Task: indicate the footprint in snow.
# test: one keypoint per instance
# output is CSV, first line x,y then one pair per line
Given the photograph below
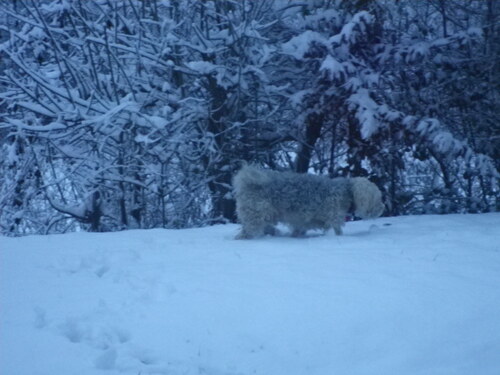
x,y
145,357
102,270
95,335
40,318
122,335
73,330
96,264
107,360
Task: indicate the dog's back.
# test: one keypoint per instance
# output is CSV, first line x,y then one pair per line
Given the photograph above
x,y
283,188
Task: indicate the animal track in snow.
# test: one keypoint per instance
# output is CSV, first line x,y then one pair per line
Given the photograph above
x,y
40,318
82,330
145,357
107,360
95,264
73,330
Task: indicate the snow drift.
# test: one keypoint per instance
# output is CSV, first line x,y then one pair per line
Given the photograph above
x,y
407,295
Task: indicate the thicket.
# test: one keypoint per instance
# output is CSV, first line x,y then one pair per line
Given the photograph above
x,y
135,114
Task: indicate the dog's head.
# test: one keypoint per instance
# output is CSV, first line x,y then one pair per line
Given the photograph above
x,y
367,198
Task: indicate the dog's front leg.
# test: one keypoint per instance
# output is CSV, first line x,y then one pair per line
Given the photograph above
x,y
270,230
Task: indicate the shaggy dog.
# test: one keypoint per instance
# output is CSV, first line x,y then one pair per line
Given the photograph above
x,y
302,201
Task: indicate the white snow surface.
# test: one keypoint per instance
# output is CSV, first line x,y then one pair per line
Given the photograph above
x,y
405,295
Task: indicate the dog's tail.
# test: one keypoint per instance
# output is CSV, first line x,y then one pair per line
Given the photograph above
x,y
250,177
367,198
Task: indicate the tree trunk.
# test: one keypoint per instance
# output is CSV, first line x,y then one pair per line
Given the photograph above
x,y
313,131
220,171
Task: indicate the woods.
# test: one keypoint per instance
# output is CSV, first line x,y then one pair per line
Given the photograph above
x,y
136,114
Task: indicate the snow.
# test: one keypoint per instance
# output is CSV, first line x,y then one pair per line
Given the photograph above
x,y
366,109
299,45
406,295
351,30
334,68
202,67
418,52
445,141
298,97
43,110
20,124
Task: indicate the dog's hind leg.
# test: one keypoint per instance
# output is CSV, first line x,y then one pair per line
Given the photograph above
x,y
337,224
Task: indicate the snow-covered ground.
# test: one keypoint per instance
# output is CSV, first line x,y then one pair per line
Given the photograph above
x,y
407,295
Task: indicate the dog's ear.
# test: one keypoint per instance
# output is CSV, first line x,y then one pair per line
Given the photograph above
x,y
367,198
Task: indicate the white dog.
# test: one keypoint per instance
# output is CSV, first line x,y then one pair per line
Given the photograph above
x,y
302,201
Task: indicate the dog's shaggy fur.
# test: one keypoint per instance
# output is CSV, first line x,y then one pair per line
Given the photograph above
x,y
302,201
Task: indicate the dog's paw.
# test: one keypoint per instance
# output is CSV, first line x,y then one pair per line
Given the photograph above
x,y
242,236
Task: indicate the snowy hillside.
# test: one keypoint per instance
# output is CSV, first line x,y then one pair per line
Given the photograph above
x,y
407,295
